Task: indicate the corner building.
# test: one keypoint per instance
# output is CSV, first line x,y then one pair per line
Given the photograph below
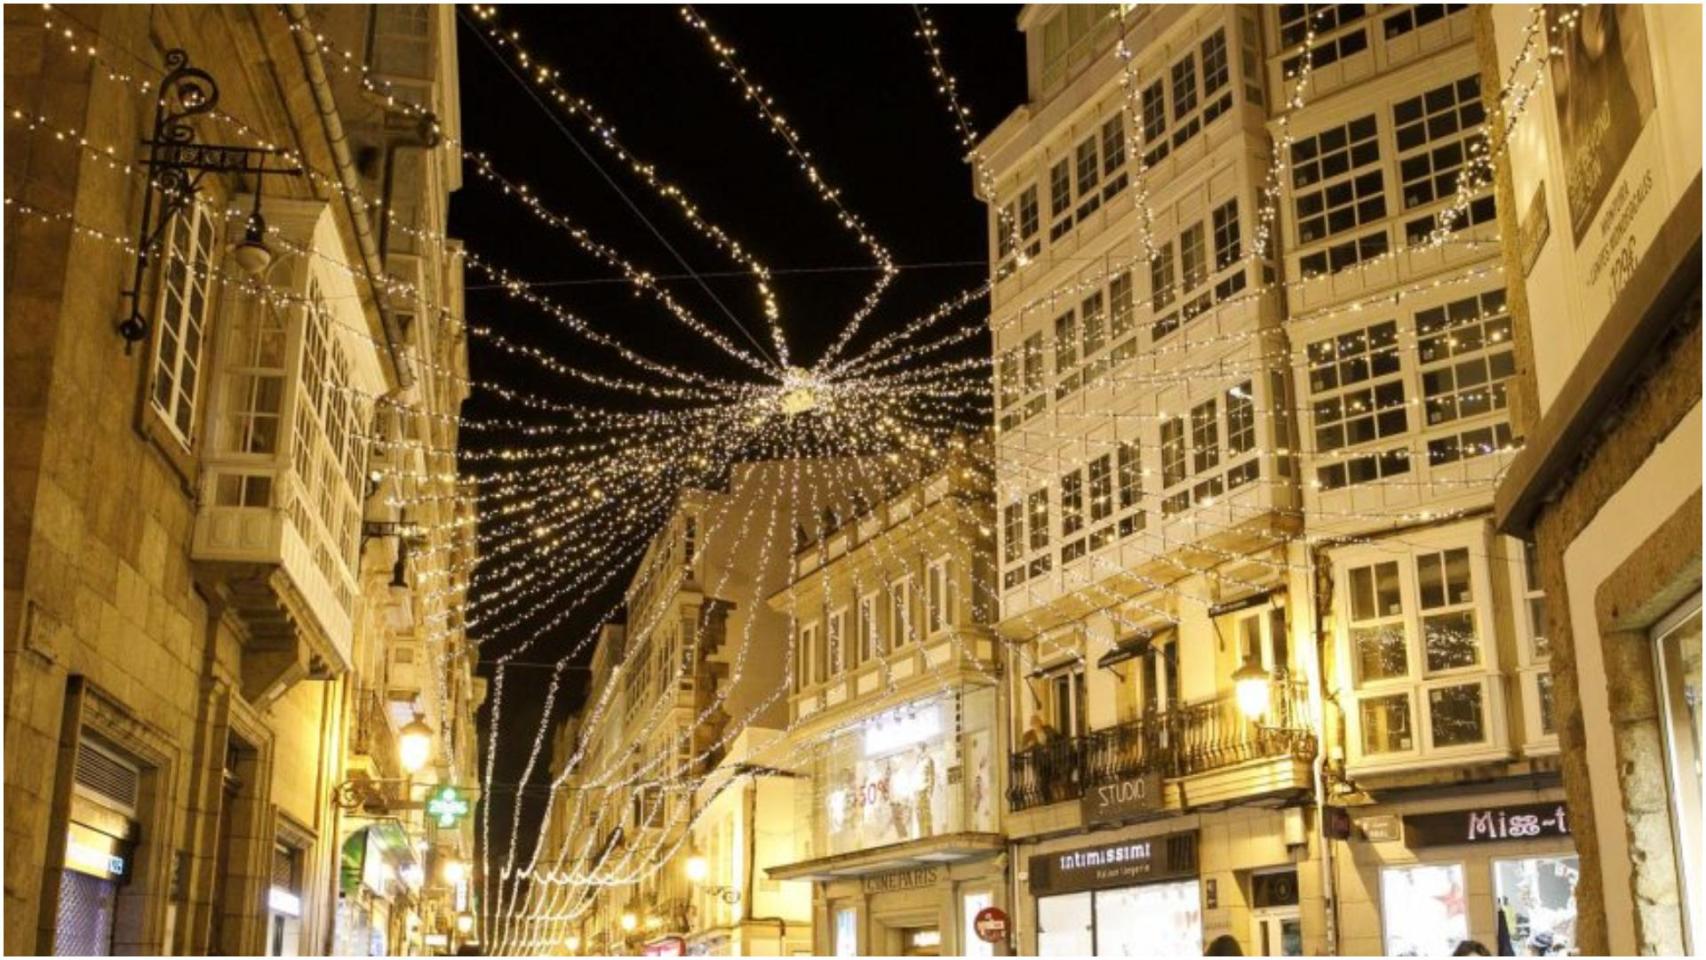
x,y
894,718
1275,673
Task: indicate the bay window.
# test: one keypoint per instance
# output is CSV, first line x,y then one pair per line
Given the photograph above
x,y
1416,654
186,301
1356,391
1071,503
1037,506
284,471
1533,650
1101,488
1013,531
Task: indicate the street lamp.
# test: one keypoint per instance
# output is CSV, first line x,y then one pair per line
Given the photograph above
x,y
464,923
414,745
253,255
572,943
1253,686
629,921
455,871
698,870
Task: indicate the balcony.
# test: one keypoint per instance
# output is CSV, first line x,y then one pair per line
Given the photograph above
x,y
1208,753
277,530
372,738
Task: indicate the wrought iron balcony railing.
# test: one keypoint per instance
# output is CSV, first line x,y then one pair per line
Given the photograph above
x,y
1181,742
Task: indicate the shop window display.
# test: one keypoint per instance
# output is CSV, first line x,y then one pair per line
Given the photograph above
x,y
888,780
1064,926
1426,909
1156,919
1535,904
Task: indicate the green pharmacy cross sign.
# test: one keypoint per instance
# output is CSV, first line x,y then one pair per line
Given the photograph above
x,y
448,805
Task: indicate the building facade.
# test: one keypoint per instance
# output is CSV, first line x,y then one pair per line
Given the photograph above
x,y
895,719
231,538
1277,673
1148,492
675,687
1600,208
745,827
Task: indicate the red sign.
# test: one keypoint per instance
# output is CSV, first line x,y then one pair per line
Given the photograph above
x,y
991,925
667,947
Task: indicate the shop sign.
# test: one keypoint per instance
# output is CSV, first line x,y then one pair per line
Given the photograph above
x,y
901,880
92,852
1169,856
991,925
1525,821
1378,829
1123,799
436,940
448,805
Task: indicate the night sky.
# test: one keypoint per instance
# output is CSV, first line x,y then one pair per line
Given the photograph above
x,y
855,85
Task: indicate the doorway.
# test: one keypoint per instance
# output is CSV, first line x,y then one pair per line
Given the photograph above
x,y
1276,923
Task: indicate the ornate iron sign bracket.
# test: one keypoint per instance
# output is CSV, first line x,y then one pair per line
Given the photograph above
x,y
176,165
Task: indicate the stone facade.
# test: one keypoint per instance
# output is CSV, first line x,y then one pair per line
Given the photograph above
x,y
129,646
1608,485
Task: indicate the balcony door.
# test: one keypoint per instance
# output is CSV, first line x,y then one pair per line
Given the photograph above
x,y
1066,702
1161,675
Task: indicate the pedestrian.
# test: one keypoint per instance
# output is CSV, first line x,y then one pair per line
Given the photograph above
x,y
1471,948
1225,945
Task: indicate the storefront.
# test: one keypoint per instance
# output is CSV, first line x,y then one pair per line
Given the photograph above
x,y
919,770
903,809
922,911
1502,872
99,851
374,914
1125,898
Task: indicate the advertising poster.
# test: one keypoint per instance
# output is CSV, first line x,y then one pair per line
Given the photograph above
x,y
1602,85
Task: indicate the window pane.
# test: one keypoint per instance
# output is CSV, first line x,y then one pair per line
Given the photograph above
x,y
1450,640
1386,724
1380,652
1455,715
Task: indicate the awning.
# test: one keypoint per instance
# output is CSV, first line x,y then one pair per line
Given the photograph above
x,y
1134,646
1245,602
930,851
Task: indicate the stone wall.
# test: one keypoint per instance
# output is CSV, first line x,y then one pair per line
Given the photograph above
x,y
1653,408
